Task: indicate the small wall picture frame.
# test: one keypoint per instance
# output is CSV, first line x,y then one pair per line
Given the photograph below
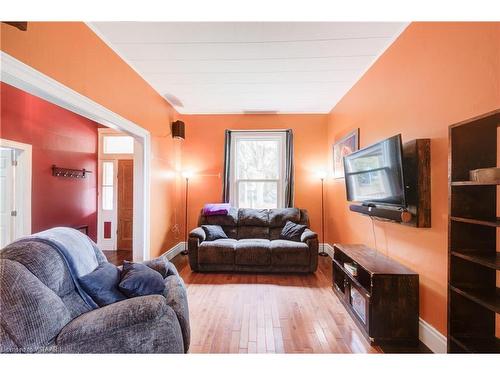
x,y
345,146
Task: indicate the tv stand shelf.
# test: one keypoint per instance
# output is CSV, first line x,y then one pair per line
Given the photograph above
x,y
382,298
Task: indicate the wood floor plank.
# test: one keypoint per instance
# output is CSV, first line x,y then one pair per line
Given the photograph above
x,y
282,313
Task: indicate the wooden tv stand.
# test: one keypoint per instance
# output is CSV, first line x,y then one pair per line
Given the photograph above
x,y
383,297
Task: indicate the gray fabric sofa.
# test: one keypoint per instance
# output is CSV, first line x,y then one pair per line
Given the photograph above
x,y
254,243
42,312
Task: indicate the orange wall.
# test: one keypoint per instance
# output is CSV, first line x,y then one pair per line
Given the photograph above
x,y
434,75
204,153
72,54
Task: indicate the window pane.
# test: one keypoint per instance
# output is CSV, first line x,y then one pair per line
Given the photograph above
x,y
118,144
107,173
257,159
107,197
258,194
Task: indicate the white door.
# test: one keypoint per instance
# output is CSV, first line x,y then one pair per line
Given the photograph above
x,y
15,191
7,197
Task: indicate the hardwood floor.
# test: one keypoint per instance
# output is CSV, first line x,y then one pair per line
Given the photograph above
x,y
265,313
242,313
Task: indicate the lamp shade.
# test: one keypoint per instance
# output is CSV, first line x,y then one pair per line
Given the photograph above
x,y
178,129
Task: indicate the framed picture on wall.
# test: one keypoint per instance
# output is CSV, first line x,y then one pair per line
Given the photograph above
x,y
345,146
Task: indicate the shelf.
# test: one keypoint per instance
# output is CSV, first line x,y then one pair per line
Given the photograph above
x,y
489,299
477,345
491,260
473,183
352,278
473,294
489,223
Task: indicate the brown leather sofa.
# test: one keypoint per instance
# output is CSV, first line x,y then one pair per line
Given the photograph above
x,y
254,243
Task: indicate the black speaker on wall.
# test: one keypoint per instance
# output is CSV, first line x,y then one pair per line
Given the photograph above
x,y
178,129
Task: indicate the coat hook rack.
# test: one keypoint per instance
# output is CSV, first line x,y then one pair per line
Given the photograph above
x,y
68,172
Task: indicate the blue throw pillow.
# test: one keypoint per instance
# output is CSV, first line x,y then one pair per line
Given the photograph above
x,y
213,232
292,231
102,284
140,280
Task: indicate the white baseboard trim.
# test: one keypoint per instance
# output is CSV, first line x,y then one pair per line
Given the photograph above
x,y
327,248
431,337
175,250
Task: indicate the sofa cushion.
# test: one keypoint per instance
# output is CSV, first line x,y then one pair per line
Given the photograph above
x,y
253,252
217,252
290,253
275,233
230,220
253,217
48,266
292,231
140,280
251,232
102,284
279,216
213,232
31,312
304,217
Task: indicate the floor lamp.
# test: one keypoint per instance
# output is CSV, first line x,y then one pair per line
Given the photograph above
x,y
322,176
186,176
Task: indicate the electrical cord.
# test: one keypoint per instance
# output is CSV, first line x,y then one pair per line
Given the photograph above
x,y
373,231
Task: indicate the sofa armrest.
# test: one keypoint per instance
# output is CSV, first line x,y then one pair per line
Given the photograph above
x,y
311,239
138,325
176,296
196,236
198,233
308,235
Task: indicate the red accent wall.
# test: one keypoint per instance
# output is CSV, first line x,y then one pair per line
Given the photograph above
x,y
58,137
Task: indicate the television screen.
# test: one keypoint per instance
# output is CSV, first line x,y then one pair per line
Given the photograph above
x,y
374,175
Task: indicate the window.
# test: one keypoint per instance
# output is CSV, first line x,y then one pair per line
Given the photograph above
x,y
257,170
107,185
118,144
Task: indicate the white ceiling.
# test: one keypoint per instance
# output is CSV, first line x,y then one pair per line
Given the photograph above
x,y
235,67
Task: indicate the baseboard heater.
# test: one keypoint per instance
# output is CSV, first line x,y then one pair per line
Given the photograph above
x,y
400,216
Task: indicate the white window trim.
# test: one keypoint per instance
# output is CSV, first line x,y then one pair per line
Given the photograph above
x,y
258,135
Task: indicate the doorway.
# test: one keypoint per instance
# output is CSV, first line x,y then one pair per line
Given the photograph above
x,y
115,216
15,191
24,77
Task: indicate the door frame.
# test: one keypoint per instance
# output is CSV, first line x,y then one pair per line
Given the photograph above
x,y
28,79
23,185
103,243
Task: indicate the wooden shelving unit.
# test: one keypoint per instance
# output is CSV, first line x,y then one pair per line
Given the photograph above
x,y
473,295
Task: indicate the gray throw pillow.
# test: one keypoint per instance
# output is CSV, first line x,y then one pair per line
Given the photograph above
x,y
213,232
140,280
292,231
161,265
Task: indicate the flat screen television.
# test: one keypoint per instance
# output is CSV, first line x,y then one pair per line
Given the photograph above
x,y
374,174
